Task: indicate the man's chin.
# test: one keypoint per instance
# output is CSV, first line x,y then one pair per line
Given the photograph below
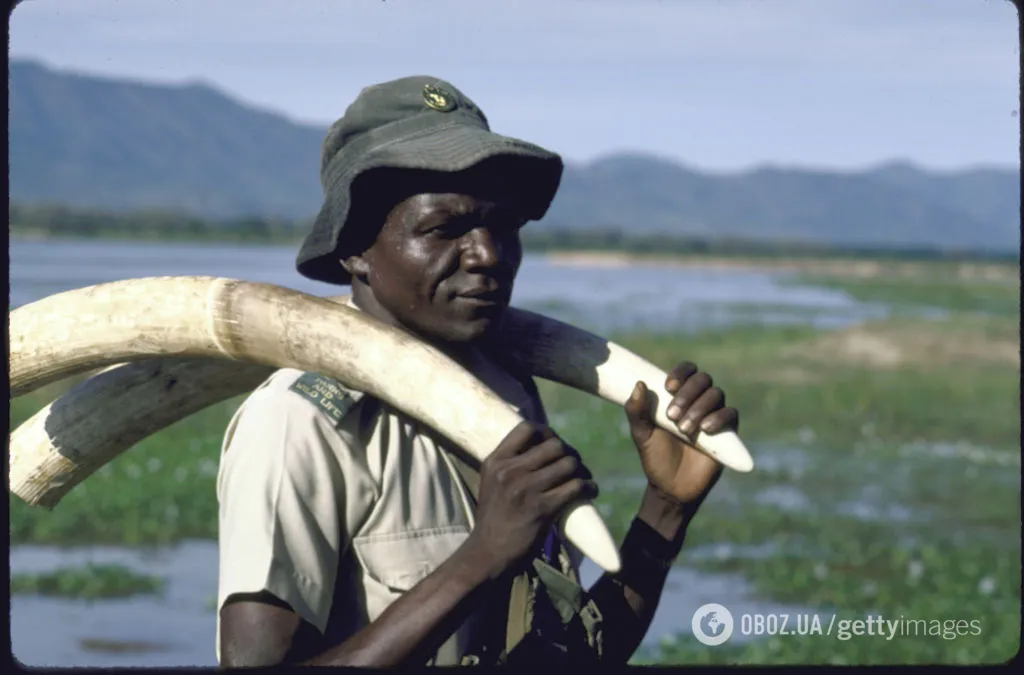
x,y
481,328
479,324
463,327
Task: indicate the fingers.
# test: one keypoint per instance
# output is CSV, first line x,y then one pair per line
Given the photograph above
x,y
571,491
724,419
558,472
543,478
540,455
697,404
582,469
678,375
524,435
708,401
639,414
691,390
548,452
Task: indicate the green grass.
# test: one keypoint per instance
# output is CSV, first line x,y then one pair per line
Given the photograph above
x,y
902,477
783,391
994,297
90,582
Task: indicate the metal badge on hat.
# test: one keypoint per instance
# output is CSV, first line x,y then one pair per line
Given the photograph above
x,y
438,99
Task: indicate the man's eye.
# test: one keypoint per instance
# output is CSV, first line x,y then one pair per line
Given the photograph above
x,y
458,227
509,223
453,228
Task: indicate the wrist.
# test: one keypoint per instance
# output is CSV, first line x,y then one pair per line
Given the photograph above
x,y
664,514
647,557
476,563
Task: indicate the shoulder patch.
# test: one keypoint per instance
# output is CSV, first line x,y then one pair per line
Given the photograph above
x,y
328,395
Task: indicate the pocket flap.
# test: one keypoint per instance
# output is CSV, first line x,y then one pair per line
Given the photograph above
x,y
400,560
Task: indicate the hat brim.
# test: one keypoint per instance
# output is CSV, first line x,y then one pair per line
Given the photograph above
x,y
450,148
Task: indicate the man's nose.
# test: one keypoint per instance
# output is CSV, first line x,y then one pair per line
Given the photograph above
x,y
483,249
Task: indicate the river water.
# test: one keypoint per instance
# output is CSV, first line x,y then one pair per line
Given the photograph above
x,y
597,297
177,629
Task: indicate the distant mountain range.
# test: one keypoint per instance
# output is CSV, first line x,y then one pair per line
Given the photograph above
x,y
115,144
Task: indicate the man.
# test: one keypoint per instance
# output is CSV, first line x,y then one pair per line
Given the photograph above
x,y
350,534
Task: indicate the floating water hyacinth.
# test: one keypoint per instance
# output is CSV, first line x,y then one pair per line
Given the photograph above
x,y
915,569
962,450
667,641
91,581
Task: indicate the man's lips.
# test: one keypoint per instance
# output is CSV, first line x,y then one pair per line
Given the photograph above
x,y
485,296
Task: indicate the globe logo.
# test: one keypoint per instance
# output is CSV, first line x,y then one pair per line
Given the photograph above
x,y
712,624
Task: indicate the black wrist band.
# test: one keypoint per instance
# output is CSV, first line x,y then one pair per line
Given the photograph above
x,y
646,558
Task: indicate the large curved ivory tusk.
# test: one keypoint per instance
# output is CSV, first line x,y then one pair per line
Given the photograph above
x,y
120,321
65,442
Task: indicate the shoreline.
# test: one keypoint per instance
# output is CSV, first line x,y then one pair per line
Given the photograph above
x,y
822,264
860,268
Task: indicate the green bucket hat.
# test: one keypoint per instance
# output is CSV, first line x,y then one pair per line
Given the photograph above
x,y
419,124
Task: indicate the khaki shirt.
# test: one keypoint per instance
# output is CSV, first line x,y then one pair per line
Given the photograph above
x,y
337,504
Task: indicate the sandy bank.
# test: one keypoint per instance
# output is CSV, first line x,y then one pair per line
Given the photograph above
x,y
832,267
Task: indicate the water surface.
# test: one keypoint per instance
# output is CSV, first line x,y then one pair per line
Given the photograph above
x,y
177,629
600,298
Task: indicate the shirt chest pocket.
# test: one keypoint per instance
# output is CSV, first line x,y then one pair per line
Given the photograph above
x,y
394,562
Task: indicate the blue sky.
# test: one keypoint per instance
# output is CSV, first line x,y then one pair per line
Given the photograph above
x,y
721,85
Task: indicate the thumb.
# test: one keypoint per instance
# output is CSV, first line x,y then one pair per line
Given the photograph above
x,y
638,412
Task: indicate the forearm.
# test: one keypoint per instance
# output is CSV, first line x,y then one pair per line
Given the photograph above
x,y
413,627
629,598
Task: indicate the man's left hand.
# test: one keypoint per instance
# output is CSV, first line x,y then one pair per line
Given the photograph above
x,y
673,466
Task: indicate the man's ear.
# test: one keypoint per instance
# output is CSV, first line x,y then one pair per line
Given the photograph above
x,y
356,265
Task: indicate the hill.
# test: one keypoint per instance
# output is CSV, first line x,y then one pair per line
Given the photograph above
x,y
105,143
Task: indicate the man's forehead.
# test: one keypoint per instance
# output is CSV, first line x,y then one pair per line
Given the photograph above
x,y
462,202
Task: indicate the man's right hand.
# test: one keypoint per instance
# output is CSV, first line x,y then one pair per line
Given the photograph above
x,y
525,484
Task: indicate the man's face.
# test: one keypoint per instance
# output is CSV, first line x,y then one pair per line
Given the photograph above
x,y
443,264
